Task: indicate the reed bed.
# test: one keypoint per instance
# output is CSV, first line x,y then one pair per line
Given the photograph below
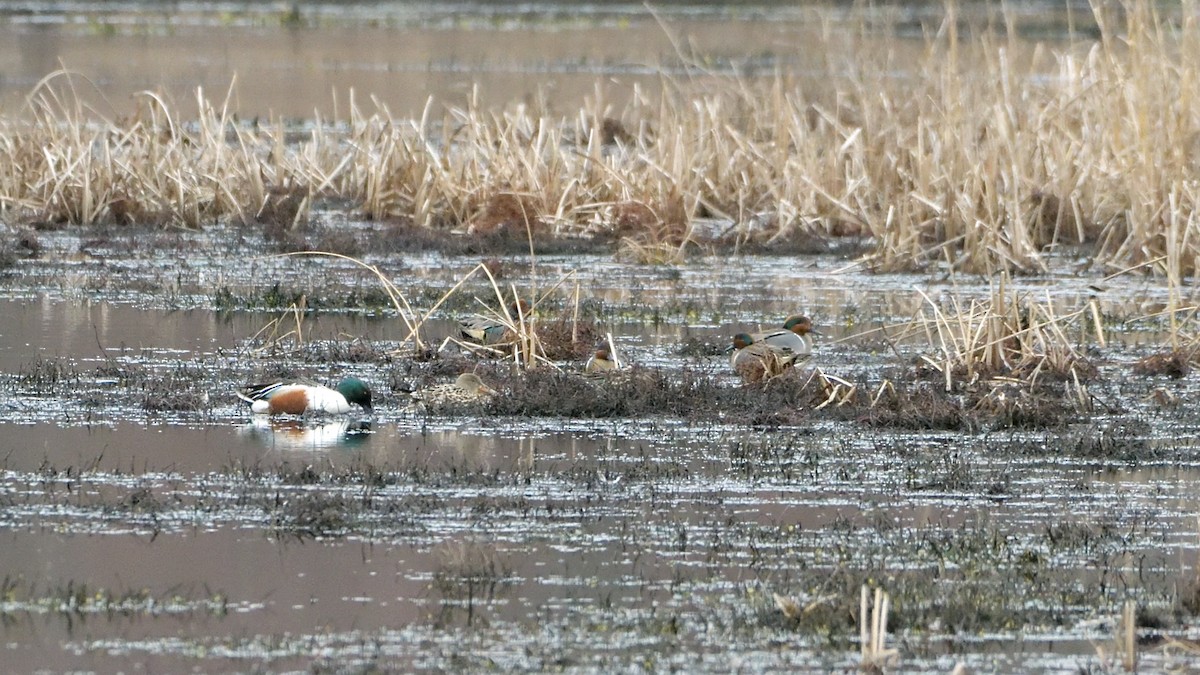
x,y
980,155
1010,337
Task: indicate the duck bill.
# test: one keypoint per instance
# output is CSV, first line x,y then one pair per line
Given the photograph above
x,y
484,389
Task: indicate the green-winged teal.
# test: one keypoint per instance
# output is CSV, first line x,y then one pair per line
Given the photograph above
x,y
492,330
793,337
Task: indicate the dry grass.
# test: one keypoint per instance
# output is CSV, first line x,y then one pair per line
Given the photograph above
x,y
872,635
979,156
1009,338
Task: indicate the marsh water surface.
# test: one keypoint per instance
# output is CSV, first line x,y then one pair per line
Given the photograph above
x,y
149,521
193,534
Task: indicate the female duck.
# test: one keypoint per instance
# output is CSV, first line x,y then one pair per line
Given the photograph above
x,y
467,389
602,361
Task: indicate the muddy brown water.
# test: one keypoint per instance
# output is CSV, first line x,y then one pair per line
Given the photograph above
x,y
400,58
137,538
402,54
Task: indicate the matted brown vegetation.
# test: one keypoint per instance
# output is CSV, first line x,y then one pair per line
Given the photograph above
x,y
977,157
1176,363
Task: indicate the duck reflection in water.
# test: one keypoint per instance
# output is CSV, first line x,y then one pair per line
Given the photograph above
x,y
297,434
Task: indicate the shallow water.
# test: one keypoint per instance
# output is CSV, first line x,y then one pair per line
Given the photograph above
x,y
401,54
582,524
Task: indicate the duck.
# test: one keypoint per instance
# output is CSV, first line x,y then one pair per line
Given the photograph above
x,y
602,361
298,398
467,389
755,360
747,348
492,330
793,336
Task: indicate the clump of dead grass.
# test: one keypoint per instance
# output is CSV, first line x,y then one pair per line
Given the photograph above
x,y
689,393
468,573
17,244
919,407
703,346
1008,336
315,514
1175,363
568,339
46,373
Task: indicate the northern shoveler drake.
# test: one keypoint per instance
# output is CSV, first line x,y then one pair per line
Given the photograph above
x,y
794,336
491,330
757,360
602,361
298,398
467,389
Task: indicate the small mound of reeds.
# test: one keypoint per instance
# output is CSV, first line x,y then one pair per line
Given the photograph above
x,y
17,244
1010,337
699,347
1176,363
545,392
918,407
568,339
43,375
316,514
468,573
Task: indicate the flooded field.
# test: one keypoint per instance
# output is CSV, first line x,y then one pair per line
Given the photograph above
x,y
150,519
1014,496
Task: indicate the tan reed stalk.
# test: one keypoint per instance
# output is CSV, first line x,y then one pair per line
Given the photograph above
x,y
1129,636
403,308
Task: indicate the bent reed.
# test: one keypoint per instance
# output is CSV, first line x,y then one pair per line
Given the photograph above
x,y
981,156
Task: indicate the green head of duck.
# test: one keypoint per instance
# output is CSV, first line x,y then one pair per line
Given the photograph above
x,y
355,391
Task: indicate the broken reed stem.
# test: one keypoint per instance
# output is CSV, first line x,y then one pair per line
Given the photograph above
x,y
612,350
525,335
878,621
1097,322
398,300
575,316
864,631
1129,627
872,629
298,314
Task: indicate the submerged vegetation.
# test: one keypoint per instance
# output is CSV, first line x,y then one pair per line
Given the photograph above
x,y
986,153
